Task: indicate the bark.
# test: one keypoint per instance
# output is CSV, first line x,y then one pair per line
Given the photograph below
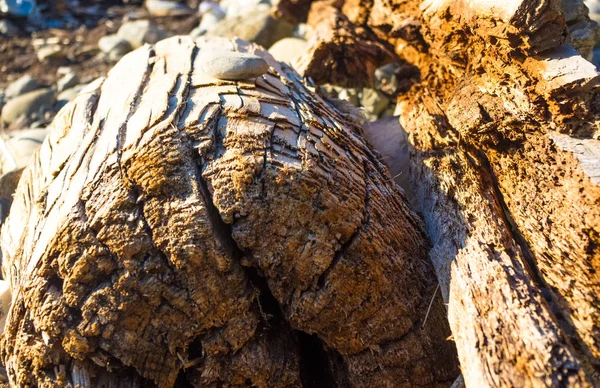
x,y
175,229
503,125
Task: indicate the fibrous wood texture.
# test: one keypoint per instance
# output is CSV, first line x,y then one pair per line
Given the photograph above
x,y
176,229
503,125
338,51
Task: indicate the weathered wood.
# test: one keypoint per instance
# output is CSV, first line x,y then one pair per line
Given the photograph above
x,y
340,53
513,211
504,330
175,227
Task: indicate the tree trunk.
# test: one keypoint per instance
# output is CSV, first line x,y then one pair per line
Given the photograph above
x,y
503,126
175,229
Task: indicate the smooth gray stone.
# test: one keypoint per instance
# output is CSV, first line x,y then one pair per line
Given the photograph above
x,y
17,147
167,8
386,79
235,8
67,81
256,25
114,46
374,102
139,32
50,52
228,65
22,85
288,49
68,94
211,13
27,104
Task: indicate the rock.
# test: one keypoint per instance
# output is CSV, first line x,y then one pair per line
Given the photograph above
x,y
211,13
114,46
68,94
167,8
287,49
374,102
584,36
27,104
348,94
50,52
67,81
24,84
228,65
386,79
256,25
8,28
21,8
237,8
139,32
17,148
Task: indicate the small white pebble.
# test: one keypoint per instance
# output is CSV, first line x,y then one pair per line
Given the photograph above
x,y
232,66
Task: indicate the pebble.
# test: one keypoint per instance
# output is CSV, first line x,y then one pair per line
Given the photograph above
x,y
8,28
584,37
255,25
374,102
27,104
167,8
24,84
67,81
211,13
350,95
114,46
228,65
386,79
287,49
139,32
237,8
68,94
19,147
51,52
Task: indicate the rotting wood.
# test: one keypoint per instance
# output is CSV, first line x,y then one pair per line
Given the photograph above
x,y
501,99
178,228
338,51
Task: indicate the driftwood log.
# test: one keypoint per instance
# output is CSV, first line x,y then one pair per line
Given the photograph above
x,y
179,230
503,125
